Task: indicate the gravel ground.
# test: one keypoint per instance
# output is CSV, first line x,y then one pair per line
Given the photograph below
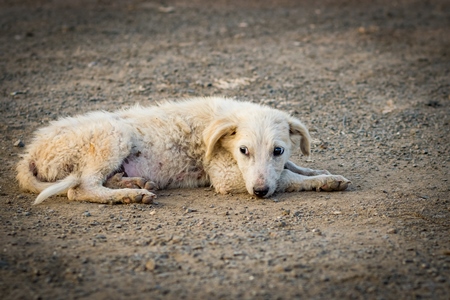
x,y
369,78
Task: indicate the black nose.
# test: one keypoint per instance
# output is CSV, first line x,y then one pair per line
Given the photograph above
x,y
260,192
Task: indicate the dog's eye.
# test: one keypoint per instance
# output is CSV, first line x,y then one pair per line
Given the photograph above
x,y
278,151
244,150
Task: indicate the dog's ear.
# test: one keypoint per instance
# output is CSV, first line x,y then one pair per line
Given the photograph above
x,y
214,132
297,128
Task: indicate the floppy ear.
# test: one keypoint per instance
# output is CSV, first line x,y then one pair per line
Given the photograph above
x,y
297,128
214,132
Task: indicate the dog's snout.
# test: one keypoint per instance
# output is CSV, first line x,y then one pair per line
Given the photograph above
x,y
260,192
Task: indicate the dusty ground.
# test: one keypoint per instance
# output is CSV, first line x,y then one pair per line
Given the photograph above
x,y
369,78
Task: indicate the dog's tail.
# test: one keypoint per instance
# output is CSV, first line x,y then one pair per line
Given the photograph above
x,y
28,181
58,187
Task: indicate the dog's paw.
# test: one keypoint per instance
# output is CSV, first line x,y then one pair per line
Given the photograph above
x,y
322,172
118,181
335,183
144,197
150,186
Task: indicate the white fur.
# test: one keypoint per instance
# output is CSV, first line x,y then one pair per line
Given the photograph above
x,y
191,143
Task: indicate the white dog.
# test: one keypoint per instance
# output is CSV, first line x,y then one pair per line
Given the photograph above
x,y
120,157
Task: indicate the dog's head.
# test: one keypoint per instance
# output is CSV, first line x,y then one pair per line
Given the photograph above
x,y
261,142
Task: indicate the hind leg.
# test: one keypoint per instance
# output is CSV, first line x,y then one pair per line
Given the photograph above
x,y
118,181
92,190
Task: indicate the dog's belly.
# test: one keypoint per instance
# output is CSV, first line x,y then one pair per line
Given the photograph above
x,y
166,172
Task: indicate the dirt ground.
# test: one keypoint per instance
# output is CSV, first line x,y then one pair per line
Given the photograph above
x,y
371,79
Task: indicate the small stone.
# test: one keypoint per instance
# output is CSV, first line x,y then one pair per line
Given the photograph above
x,y
407,261
176,239
150,265
166,9
317,231
425,266
19,144
92,64
391,231
286,212
278,269
86,214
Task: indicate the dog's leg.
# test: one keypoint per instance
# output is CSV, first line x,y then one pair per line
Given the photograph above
x,y
92,190
118,181
304,171
293,182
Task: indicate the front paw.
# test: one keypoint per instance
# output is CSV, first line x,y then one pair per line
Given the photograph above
x,y
335,183
323,172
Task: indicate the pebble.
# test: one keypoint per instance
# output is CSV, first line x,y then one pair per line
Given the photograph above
x,y
100,236
19,144
92,64
86,214
278,269
150,265
407,261
166,9
391,231
317,231
286,212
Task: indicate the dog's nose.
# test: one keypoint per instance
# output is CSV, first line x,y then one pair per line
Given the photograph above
x,y
260,192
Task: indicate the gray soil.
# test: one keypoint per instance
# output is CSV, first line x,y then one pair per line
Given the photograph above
x,y
371,79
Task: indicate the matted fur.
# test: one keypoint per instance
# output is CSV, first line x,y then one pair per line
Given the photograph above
x,y
119,157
